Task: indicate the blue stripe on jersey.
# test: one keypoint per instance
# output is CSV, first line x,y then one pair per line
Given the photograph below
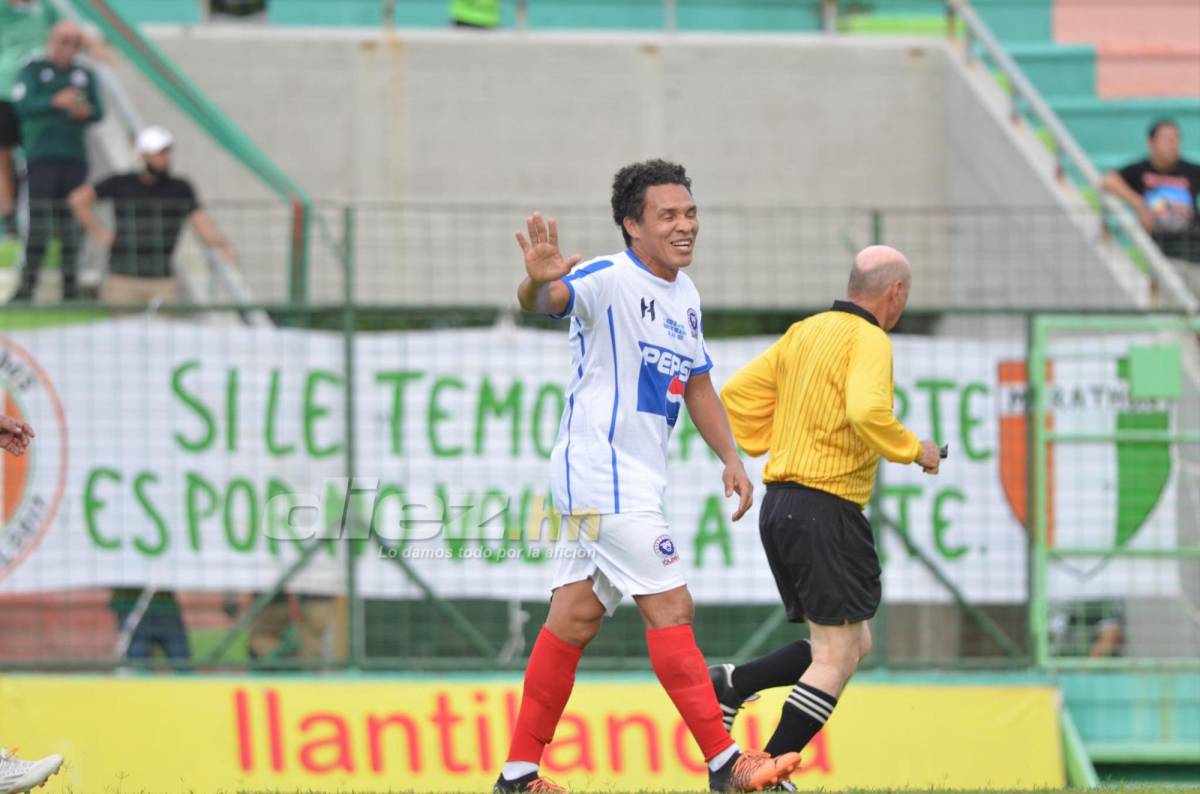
x,y
706,366
570,303
578,274
612,425
582,350
570,416
629,252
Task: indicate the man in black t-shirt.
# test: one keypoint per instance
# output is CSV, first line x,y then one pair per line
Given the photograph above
x,y
1163,190
150,208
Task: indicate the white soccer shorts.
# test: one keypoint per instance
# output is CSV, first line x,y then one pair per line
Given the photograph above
x,y
632,554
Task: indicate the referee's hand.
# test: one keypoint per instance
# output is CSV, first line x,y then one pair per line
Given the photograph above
x,y
737,481
931,456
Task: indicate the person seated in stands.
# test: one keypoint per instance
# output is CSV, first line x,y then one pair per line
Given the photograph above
x,y
1162,190
150,207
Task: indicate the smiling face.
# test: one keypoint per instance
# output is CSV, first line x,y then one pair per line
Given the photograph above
x,y
664,238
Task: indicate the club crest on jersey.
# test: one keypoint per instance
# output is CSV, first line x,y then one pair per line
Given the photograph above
x,y
664,547
662,381
694,322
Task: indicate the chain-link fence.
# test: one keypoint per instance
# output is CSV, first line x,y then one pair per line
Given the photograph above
x,y
363,481
1117,473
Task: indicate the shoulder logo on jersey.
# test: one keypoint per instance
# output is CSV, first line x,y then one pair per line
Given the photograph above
x,y
664,547
662,381
694,322
648,308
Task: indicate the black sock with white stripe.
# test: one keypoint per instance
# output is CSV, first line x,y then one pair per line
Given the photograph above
x,y
781,667
804,714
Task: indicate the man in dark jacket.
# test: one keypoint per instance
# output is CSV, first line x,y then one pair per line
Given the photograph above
x,y
56,99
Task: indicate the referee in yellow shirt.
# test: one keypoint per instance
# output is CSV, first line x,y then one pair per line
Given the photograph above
x,y
820,400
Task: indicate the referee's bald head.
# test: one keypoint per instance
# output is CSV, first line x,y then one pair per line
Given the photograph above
x,y
877,268
879,283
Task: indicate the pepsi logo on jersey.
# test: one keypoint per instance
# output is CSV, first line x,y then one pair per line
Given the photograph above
x,y
662,382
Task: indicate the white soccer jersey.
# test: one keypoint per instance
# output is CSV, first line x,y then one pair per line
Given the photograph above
x,y
635,340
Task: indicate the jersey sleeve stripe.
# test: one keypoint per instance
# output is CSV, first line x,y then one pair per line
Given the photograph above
x,y
583,272
570,301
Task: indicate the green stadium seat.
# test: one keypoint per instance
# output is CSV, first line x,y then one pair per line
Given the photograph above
x,y
344,12
1105,128
182,12
1009,20
1057,70
762,15
1018,20
596,14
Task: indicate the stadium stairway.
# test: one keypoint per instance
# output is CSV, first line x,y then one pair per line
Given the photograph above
x,y
1108,68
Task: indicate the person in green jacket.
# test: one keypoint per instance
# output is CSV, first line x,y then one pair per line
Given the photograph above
x,y
56,99
24,25
475,13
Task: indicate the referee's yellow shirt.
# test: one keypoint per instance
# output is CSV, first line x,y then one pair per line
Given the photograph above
x,y
820,399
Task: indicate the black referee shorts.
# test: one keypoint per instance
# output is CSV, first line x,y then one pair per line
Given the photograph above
x,y
822,553
10,126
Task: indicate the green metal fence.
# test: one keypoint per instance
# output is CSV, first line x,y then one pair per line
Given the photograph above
x,y
1117,410
172,431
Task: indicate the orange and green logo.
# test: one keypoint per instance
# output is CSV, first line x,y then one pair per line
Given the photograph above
x,y
1143,471
32,485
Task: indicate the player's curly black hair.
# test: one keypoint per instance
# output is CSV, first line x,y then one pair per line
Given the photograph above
x,y
629,188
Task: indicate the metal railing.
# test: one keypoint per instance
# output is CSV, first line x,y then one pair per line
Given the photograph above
x,y
1066,151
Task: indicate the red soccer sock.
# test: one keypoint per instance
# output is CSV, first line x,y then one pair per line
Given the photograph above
x,y
549,678
681,670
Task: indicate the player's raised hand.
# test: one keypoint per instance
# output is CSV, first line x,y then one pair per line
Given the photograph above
x,y
737,481
15,435
543,261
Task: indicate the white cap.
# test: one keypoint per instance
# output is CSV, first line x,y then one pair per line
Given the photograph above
x,y
153,140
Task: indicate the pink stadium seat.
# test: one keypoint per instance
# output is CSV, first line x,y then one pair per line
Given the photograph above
x,y
1145,72
1144,49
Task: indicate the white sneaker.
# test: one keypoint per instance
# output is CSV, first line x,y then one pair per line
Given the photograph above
x,y
20,776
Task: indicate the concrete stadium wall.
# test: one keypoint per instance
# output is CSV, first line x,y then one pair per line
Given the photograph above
x,y
469,133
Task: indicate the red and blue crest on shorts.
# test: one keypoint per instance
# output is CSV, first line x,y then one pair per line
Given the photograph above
x,y
664,547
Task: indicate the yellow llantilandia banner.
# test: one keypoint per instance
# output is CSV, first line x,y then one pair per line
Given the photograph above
x,y
187,734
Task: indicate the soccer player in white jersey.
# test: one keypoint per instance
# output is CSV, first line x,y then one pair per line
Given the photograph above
x,y
638,351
